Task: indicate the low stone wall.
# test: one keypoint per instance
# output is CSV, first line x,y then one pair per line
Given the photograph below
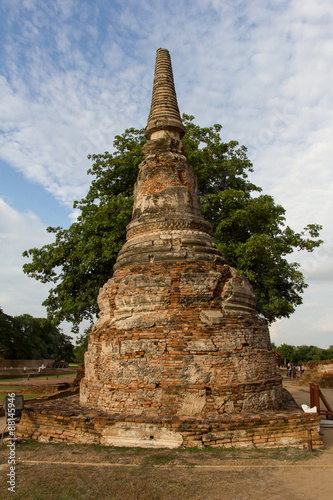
x,y
31,373
65,420
28,363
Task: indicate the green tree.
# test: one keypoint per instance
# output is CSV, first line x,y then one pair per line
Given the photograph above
x,y
286,351
26,337
82,345
9,336
329,352
315,353
248,227
304,353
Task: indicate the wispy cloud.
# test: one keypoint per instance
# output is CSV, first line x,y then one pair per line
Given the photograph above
x,y
18,232
56,110
76,73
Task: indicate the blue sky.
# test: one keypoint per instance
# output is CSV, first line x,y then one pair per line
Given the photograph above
x,y
75,73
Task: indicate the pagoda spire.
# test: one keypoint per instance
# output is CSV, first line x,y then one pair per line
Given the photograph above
x,y
167,222
164,112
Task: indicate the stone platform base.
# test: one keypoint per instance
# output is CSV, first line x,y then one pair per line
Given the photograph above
x,y
65,420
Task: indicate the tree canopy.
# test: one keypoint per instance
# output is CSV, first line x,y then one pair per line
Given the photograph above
x,y
26,337
303,353
248,227
82,345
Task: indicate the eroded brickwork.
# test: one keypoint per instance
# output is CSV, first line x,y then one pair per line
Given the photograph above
x,y
178,332
65,420
167,343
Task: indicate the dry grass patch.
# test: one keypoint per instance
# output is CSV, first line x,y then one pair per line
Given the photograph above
x,y
145,474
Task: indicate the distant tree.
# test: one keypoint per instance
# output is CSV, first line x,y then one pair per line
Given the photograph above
x,y
286,351
9,336
82,345
304,353
248,227
315,353
329,352
26,337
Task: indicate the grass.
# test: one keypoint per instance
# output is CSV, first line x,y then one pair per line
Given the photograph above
x,y
13,379
31,396
26,396
39,377
4,388
143,478
65,484
158,456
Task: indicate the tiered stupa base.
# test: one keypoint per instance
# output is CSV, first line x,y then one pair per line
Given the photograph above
x,y
180,342
66,421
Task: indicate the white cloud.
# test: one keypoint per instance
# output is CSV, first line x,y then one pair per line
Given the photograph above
x,y
57,110
18,232
312,322
77,73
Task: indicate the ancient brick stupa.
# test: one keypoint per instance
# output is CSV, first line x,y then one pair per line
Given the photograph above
x,y
178,334
178,356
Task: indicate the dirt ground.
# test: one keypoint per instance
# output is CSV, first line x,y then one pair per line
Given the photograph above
x,y
60,471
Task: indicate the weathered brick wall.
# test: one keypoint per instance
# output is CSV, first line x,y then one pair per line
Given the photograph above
x,y
318,372
75,424
173,340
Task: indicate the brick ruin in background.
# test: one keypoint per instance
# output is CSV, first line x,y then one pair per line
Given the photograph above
x,y
179,355
318,372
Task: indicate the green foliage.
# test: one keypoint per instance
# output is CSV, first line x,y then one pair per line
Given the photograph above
x,y
286,351
248,227
25,337
81,259
82,345
304,353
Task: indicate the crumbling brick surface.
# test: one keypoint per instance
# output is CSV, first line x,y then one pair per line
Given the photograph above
x,y
179,355
165,345
65,420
